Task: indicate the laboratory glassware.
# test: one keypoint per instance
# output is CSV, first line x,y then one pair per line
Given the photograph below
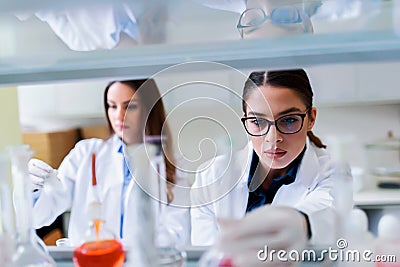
x,y
7,222
152,243
383,157
100,246
30,250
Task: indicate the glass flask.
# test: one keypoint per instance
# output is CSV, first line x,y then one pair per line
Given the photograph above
x,y
30,250
7,223
99,246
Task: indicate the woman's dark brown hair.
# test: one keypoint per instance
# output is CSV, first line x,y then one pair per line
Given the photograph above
x,y
156,124
295,79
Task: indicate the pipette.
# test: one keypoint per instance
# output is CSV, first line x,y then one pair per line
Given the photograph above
x,y
94,178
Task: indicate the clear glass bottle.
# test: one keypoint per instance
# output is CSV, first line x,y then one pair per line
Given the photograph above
x,y
30,250
100,246
140,240
7,223
151,242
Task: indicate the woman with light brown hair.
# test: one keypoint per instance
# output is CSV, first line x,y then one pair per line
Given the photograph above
x,y
134,111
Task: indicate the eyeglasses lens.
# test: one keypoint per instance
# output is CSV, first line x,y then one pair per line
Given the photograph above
x,y
252,17
285,15
290,124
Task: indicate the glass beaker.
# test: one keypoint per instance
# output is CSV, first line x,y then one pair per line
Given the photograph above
x,y
30,250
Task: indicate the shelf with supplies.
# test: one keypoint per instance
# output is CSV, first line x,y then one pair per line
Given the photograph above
x,y
188,31
146,60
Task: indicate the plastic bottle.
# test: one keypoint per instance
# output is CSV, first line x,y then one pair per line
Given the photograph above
x,y
100,247
30,250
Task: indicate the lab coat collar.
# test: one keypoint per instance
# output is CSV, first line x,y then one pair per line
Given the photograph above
x,y
309,166
117,143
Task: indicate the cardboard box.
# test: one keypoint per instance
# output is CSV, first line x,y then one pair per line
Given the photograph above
x,y
96,131
51,147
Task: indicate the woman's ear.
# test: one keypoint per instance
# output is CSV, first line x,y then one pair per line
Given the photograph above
x,y
312,118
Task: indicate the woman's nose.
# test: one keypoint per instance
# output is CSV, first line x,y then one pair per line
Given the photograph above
x,y
273,135
120,114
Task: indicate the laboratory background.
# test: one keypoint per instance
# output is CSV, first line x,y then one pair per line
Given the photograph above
x,y
52,78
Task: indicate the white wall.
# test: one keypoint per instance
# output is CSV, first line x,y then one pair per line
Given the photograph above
x,y
62,105
346,129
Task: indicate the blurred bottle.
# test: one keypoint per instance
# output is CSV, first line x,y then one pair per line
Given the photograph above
x,y
30,250
7,230
150,241
140,240
165,239
343,202
215,256
358,243
100,246
388,242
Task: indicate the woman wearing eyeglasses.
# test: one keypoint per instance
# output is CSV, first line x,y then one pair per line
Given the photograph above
x,y
283,182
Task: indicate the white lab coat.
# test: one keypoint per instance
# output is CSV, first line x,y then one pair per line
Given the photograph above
x,y
77,192
318,191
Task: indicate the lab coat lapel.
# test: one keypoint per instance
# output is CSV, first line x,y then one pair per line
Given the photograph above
x,y
234,204
112,178
308,169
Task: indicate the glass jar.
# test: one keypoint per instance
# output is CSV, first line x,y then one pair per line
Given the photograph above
x,y
383,158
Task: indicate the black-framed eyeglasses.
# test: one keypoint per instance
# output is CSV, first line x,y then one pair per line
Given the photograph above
x,y
288,124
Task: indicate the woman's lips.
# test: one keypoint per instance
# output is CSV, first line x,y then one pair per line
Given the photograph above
x,y
275,154
121,127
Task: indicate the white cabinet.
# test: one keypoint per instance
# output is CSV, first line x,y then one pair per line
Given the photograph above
x,y
378,81
371,82
334,83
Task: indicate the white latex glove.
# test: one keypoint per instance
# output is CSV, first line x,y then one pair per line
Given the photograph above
x,y
42,174
278,228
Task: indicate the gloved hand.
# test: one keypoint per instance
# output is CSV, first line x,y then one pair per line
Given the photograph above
x,y
42,174
272,227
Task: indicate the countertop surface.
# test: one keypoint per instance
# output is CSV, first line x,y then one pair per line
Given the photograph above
x,y
377,197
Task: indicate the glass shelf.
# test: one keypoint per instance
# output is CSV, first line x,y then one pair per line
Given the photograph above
x,y
53,61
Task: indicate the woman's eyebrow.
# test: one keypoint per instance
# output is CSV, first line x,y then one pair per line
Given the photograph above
x,y
289,110
123,103
284,112
256,113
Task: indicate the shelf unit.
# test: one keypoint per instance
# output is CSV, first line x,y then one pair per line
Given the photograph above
x,y
146,60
